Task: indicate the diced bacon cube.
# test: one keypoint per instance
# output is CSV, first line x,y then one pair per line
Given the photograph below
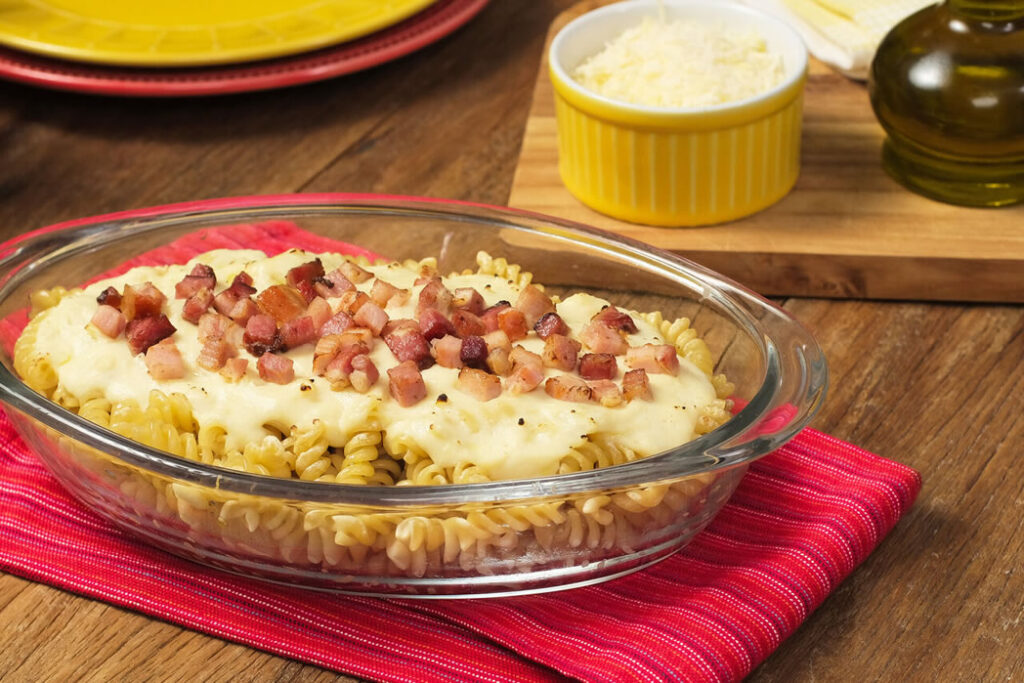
x,y
606,392
405,383
319,311
372,317
164,361
615,319
306,272
145,332
307,289
468,299
560,352
658,358
598,366
109,321
490,316
109,297
261,335
499,361
466,323
241,284
338,283
534,304
381,293
478,384
330,346
364,373
407,343
142,301
275,369
549,324
282,302
512,322
201,277
436,296
214,354
497,340
527,371
212,326
447,351
600,338
197,305
354,272
635,384
433,324
568,388
243,309
351,301
338,323
474,352
339,371
234,369
297,332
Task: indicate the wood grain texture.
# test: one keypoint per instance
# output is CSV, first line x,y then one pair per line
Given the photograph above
x,y
846,229
936,386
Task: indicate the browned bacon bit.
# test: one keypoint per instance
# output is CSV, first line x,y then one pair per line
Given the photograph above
x,y
109,297
408,344
213,326
600,338
275,369
142,301
435,295
549,324
297,332
282,302
405,383
433,324
364,373
201,277
468,299
144,332
606,392
478,384
568,388
214,354
560,352
598,366
447,351
467,323
635,384
241,285
261,335
337,323
615,319
339,283
234,369
512,322
497,339
659,358
196,305
307,290
339,371
109,321
372,317
355,273
242,310
352,300
382,292
324,288
163,360
498,361
307,272
534,304
527,371
474,352
490,315
320,312
329,346
240,290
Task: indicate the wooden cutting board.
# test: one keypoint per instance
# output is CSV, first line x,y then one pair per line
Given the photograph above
x,y
846,230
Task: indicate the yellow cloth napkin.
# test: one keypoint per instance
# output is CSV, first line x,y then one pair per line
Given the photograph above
x,y
842,33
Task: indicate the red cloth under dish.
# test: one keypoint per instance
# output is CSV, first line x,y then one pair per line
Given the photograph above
x,y
801,520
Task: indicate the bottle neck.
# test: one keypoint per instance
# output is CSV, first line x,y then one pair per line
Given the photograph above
x,y
988,10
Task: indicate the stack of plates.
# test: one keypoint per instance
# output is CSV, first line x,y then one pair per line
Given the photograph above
x,y
210,47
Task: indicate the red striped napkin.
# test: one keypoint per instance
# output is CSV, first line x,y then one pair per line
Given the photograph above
x,y
800,521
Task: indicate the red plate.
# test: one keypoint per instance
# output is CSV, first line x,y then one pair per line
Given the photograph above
x,y
416,32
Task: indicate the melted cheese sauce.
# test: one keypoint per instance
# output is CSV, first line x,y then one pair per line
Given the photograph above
x,y
512,436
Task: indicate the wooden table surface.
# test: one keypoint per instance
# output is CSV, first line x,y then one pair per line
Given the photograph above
x,y
938,387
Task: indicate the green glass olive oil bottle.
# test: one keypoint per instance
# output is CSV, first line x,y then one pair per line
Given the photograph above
x,y
947,85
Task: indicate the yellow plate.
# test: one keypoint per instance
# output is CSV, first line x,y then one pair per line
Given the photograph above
x,y
190,32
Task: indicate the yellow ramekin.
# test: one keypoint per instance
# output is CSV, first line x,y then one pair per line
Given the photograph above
x,y
677,167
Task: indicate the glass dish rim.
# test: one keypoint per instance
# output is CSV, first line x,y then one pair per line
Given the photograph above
x,y
718,450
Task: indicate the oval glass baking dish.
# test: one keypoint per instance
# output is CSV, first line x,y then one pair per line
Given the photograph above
x,y
495,538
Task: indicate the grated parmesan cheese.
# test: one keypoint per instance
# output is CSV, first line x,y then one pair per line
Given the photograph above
x,y
681,64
